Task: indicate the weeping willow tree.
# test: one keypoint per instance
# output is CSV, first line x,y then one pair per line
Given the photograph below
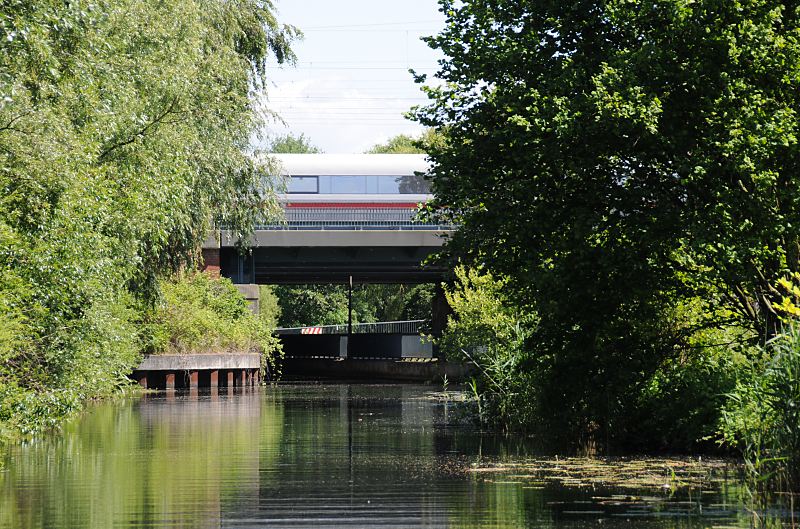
x,y
125,130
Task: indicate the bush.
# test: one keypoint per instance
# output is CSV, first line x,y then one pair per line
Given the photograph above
x,y
762,416
489,332
199,314
675,405
269,309
679,407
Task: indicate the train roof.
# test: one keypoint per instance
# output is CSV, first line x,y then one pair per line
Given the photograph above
x,y
351,164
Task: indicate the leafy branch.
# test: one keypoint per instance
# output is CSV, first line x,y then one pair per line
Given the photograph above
x,y
160,118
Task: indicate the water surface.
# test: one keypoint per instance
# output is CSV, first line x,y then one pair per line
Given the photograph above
x,y
311,455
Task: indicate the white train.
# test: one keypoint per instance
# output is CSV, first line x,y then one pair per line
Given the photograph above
x,y
354,177
353,191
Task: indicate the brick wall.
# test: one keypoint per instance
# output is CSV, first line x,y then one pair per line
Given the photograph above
x,y
211,262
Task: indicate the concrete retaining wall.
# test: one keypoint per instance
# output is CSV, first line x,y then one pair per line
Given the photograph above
x,y
361,345
358,369
197,362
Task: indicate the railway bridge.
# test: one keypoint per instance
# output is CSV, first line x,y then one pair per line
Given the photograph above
x,y
347,219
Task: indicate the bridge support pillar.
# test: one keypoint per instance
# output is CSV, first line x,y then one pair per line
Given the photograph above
x,y
143,380
213,378
439,312
211,261
229,379
194,380
252,294
169,381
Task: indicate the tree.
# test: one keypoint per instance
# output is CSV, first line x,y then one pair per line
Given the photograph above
x,y
125,131
404,144
291,144
400,144
613,158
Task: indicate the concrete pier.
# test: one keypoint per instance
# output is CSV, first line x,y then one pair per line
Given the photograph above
x,y
172,372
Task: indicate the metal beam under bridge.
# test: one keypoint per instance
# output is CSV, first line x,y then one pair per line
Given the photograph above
x,y
330,256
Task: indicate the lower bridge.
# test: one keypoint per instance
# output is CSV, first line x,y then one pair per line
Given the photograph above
x,y
381,340
397,350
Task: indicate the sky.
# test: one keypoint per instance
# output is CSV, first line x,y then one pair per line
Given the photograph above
x,y
351,84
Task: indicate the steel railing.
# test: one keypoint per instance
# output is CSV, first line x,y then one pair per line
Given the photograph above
x,y
299,218
383,327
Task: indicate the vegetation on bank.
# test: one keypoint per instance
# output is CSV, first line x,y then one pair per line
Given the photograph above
x,y
627,171
198,314
125,131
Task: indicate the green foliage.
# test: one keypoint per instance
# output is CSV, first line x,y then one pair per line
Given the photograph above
x,y
418,302
125,131
291,144
400,144
311,305
762,417
198,314
490,332
24,413
677,406
302,305
405,144
614,160
269,309
680,406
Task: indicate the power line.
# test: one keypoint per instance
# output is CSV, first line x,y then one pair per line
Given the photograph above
x,y
357,62
403,68
345,105
420,31
337,112
365,117
373,24
345,98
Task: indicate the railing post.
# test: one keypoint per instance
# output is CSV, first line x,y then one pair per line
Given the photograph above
x,y
349,315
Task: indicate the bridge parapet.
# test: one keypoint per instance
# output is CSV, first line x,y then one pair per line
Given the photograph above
x,y
377,216
408,327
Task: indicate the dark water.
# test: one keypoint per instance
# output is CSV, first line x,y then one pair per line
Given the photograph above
x,y
307,456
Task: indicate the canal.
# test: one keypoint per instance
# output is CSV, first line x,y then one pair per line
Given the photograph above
x,y
338,455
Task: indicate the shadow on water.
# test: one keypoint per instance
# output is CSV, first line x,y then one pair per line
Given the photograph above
x,y
324,455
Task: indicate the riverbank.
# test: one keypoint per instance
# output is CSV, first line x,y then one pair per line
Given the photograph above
x,y
196,313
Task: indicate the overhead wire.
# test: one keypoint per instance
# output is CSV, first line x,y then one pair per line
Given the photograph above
x,y
373,24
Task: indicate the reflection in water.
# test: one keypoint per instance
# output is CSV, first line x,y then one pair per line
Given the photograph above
x,y
301,456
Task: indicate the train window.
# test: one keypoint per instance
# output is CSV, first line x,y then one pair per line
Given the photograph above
x,y
411,184
359,185
304,184
387,185
349,184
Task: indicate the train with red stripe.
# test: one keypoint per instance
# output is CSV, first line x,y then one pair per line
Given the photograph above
x,y
352,191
